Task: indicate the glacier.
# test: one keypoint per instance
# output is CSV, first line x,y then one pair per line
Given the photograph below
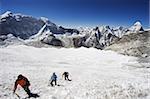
x,y
95,74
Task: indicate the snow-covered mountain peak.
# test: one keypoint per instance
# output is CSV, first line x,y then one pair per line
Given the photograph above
x,y
16,16
137,23
47,21
104,29
6,14
44,19
136,27
118,28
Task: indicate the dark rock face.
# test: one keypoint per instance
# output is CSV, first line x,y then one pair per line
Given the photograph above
x,y
78,42
141,29
56,42
24,28
71,31
59,30
134,44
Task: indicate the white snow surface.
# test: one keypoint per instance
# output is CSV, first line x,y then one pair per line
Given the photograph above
x,y
95,74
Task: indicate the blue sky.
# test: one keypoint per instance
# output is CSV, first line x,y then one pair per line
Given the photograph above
x,y
75,13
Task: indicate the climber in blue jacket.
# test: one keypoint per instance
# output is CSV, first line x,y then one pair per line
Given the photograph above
x,y
53,79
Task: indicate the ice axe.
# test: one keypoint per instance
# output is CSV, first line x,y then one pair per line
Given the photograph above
x,y
17,95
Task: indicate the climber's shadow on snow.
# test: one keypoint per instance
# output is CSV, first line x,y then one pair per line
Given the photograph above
x,y
60,85
34,95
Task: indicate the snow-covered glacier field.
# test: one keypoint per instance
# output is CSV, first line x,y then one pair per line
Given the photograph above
x,y
95,74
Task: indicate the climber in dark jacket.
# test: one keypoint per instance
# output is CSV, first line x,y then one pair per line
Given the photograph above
x,y
66,76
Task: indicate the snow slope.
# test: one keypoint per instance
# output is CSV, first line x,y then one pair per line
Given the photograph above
x,y
95,74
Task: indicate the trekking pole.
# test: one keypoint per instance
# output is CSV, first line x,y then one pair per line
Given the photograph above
x,y
17,95
49,82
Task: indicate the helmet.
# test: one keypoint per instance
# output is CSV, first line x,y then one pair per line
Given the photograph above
x,y
20,76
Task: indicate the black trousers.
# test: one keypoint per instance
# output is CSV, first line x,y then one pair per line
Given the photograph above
x,y
66,78
27,90
53,81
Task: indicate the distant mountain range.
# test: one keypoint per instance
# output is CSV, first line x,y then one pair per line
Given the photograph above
x,y
23,29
